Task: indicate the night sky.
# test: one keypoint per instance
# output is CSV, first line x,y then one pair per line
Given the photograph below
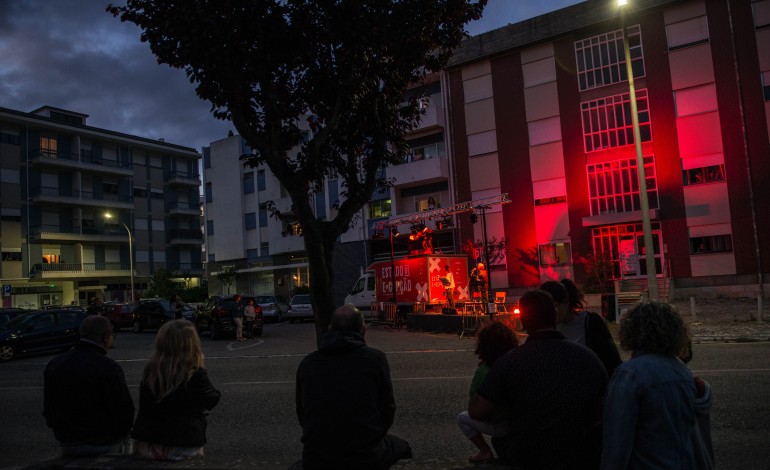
x,y
72,54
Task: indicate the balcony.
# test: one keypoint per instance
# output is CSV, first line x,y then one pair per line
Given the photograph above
x,y
72,235
182,178
427,170
79,270
74,197
186,268
183,208
433,118
182,237
81,163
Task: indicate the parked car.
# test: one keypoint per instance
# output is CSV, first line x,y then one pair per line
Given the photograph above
x,y
274,307
299,308
7,314
151,314
40,331
65,307
216,316
120,315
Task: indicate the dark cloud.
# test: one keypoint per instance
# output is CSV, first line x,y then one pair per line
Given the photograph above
x,y
72,54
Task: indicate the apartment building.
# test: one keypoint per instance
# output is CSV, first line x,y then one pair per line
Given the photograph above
x,y
269,254
540,110
60,179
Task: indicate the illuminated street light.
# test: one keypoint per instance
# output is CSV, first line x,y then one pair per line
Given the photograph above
x,y
652,280
108,216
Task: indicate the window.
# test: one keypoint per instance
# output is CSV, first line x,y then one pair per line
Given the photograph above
x,y
708,174
424,148
553,254
427,204
264,249
209,227
711,244
550,200
48,147
607,121
248,182
140,192
766,85
379,209
11,256
686,33
209,194
250,220
614,186
261,184
206,157
601,60
252,254
262,215
7,137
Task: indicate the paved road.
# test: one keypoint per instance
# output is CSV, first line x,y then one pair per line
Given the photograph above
x,y
255,422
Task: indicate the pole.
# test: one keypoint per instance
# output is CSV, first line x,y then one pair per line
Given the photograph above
x,y
652,279
486,256
392,269
130,258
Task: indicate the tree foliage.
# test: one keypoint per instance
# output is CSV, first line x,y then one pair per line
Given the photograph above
x,y
161,284
342,68
227,275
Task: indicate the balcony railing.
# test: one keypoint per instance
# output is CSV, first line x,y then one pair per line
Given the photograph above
x,y
185,237
75,196
95,163
77,270
184,208
183,178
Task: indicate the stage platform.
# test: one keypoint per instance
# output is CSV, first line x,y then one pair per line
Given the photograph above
x,y
440,323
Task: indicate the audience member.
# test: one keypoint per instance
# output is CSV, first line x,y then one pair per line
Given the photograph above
x,y
552,391
650,413
174,397
580,325
345,403
86,399
237,314
492,341
95,307
249,317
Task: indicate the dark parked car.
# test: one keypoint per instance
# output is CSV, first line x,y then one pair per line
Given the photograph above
x,y
7,314
217,316
274,307
120,315
151,314
40,331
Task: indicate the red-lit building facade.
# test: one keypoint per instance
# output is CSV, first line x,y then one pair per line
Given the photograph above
x,y
540,110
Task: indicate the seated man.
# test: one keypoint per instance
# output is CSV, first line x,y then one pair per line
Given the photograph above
x,y
345,401
552,390
86,399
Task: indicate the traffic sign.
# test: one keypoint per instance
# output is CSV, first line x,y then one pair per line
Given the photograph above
x,y
6,290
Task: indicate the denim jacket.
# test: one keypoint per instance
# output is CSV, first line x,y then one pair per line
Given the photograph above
x,y
649,415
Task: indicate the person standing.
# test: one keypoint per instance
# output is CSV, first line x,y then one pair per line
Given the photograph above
x,y
449,286
95,307
551,391
85,397
178,305
344,401
581,326
237,314
249,316
174,397
651,412
479,280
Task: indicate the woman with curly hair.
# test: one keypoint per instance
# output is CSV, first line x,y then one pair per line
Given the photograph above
x,y
174,397
650,411
492,341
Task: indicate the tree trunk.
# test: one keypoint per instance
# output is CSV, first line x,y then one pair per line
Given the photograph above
x,y
319,251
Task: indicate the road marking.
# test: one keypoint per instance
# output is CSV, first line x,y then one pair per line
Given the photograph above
x,y
231,348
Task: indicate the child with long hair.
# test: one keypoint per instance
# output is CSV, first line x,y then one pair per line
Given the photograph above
x,y
493,340
174,397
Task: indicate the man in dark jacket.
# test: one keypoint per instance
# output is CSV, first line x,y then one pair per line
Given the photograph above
x,y
86,399
345,401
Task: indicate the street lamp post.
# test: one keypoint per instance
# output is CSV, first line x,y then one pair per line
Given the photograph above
x,y
652,280
130,253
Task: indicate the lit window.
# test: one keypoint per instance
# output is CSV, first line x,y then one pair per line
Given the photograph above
x,y
613,187
379,209
554,254
601,60
607,121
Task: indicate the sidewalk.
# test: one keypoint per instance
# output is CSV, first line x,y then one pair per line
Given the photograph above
x,y
725,319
